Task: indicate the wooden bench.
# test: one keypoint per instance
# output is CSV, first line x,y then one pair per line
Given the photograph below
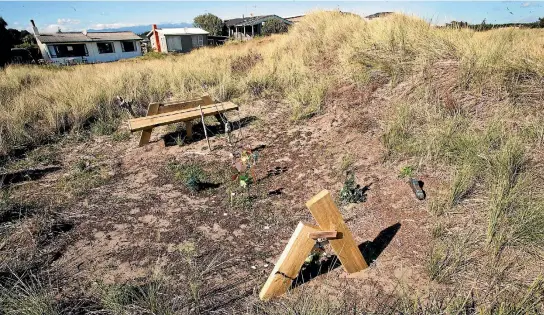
x,y
160,114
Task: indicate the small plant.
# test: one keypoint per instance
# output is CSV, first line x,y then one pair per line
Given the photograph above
x,y
244,167
179,141
352,192
192,176
406,171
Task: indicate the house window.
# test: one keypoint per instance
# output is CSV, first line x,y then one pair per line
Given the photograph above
x,y
128,46
198,40
173,43
105,48
68,50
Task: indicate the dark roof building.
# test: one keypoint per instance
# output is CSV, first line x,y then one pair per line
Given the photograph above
x,y
247,27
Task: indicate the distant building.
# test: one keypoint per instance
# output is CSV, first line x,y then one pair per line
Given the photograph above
x,y
83,47
377,15
177,39
247,27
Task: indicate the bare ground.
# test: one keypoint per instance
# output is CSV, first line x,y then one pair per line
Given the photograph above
x,y
132,227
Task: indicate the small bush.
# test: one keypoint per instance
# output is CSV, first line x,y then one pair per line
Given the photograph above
x,y
274,26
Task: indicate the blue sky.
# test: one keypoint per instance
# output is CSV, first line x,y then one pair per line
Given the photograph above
x,y
79,15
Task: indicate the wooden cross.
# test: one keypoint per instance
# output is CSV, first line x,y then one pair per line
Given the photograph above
x,y
331,226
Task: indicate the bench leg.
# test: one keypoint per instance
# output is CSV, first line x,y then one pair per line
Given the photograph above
x,y
189,129
152,109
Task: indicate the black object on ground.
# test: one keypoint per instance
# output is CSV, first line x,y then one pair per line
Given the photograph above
x,y
417,188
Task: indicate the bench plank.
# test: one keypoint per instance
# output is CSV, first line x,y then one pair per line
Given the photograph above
x,y
169,107
142,123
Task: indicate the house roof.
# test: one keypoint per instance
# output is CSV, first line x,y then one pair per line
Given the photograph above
x,y
253,20
75,37
180,31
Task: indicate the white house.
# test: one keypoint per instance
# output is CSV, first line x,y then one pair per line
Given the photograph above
x,y
177,39
87,47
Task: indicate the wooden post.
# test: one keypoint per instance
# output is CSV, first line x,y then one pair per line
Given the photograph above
x,y
329,218
252,31
152,109
189,129
291,260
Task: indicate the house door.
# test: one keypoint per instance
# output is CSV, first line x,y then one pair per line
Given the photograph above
x,y
173,43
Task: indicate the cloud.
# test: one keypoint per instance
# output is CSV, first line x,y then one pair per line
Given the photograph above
x,y
101,26
526,4
53,28
67,22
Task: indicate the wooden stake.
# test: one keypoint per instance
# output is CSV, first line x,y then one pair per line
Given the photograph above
x,y
328,217
152,109
204,126
290,262
189,129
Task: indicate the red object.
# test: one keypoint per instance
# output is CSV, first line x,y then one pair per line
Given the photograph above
x,y
157,42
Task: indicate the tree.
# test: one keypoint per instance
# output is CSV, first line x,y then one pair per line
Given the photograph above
x,y
273,26
6,42
541,22
210,23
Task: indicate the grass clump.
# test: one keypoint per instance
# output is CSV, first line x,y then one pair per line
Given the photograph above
x,y
121,136
448,258
87,173
27,296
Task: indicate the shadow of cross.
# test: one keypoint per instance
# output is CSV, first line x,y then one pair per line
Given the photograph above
x,y
300,244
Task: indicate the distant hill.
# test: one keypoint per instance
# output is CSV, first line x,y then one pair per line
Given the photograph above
x,y
138,29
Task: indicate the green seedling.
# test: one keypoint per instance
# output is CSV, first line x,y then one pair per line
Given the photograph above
x,y
406,171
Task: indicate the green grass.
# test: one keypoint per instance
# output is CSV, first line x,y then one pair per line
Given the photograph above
x,y
406,171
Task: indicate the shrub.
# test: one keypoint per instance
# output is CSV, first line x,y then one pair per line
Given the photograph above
x,y
274,26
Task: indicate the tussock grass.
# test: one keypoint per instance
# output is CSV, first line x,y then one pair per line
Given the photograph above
x,y
29,296
449,257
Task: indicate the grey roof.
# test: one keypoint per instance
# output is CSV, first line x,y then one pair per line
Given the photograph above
x,y
76,37
252,20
